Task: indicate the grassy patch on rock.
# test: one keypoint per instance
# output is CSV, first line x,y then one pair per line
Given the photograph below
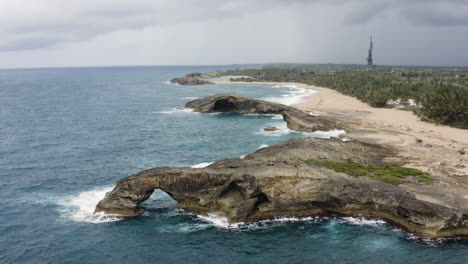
x,y
392,175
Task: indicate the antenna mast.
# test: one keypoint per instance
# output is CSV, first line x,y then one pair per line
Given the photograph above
x,y
370,61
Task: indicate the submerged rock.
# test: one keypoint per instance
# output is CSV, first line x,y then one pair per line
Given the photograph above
x,y
270,129
190,81
296,119
289,179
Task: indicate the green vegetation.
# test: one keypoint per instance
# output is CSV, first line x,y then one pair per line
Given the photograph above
x,y
441,95
392,175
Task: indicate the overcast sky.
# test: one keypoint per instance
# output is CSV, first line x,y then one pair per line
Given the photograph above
x,y
53,33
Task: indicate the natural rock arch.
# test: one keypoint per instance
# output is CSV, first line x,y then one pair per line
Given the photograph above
x,y
278,181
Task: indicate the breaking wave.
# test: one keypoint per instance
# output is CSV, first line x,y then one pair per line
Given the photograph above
x,y
81,207
176,111
295,95
202,165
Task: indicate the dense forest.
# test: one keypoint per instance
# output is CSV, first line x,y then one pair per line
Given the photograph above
x,y
439,95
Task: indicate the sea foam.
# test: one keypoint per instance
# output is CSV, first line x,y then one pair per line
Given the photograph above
x,y
81,207
295,95
176,111
202,165
328,134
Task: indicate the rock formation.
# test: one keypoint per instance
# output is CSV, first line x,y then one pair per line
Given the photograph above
x,y
295,119
190,81
194,74
287,179
270,129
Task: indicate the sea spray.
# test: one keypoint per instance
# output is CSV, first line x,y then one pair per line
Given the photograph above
x,y
81,207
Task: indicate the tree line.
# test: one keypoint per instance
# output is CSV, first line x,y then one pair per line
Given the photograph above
x,y
441,95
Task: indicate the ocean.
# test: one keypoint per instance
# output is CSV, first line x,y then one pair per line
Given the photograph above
x,y
68,134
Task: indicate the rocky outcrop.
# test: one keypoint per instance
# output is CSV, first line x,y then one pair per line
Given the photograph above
x,y
270,129
190,81
295,119
282,180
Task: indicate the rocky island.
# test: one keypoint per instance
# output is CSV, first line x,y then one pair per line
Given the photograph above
x,y
193,79
301,177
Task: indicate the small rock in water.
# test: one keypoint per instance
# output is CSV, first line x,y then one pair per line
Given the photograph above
x,y
270,129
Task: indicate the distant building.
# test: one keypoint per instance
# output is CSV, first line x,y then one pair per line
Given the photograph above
x,y
370,61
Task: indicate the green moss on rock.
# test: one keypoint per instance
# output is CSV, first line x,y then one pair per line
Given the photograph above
x,y
392,175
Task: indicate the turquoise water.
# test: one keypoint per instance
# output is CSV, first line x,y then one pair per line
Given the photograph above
x,y
67,135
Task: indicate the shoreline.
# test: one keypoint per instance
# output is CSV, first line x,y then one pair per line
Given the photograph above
x,y
428,146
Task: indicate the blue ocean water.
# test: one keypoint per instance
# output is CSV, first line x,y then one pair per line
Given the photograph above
x,y
67,135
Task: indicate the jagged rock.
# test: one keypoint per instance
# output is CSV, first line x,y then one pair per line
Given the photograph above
x,y
295,119
190,81
270,129
280,181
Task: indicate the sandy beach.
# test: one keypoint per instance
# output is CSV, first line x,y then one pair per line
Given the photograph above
x,y
427,146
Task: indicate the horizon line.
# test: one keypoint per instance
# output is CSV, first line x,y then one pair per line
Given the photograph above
x,y
231,64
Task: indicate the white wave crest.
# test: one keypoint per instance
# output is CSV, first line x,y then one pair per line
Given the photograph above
x,y
220,221
202,165
223,222
189,98
263,146
81,207
176,111
328,134
363,221
295,95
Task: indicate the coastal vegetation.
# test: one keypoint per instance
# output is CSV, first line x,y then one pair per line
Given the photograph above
x,y
392,175
436,95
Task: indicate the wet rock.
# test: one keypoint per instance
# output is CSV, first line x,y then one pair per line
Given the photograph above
x,y
270,129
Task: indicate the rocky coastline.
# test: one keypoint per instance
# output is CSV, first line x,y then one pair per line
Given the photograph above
x,y
296,119
301,177
193,79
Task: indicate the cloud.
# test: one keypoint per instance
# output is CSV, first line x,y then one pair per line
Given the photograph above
x,y
28,24
441,14
173,32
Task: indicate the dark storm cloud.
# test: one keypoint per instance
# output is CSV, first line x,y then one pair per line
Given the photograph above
x,y
439,13
48,22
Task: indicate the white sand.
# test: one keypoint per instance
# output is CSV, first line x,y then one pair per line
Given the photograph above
x,y
397,128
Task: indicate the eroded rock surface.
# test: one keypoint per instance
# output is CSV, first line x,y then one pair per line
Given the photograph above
x,y
281,181
296,119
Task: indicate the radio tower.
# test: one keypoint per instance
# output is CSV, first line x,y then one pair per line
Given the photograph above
x,y
370,62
